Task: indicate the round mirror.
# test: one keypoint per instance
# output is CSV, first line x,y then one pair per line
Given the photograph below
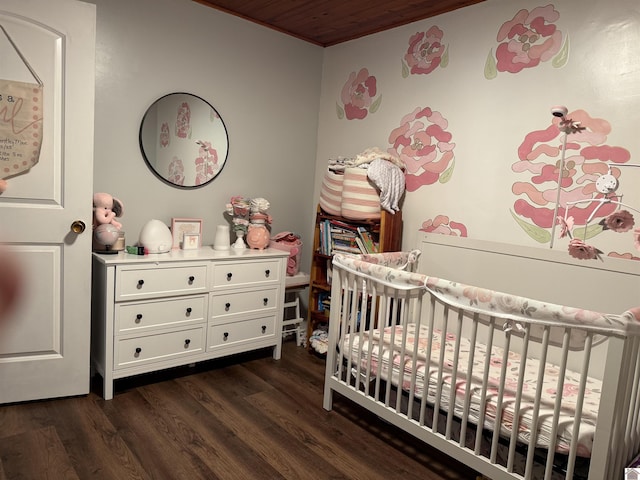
x,y
183,140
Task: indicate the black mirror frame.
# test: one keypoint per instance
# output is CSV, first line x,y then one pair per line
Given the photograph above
x,y
150,164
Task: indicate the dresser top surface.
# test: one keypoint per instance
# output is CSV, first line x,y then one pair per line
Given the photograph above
x,y
202,254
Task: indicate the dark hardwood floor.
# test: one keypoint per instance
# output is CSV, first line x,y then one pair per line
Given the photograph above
x,y
247,417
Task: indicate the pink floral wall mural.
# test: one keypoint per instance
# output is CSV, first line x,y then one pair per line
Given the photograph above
x,y
359,96
165,135
206,163
585,209
527,40
628,256
176,171
442,224
183,121
425,53
424,145
190,140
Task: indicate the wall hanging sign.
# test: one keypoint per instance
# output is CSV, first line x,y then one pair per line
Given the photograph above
x,y
20,121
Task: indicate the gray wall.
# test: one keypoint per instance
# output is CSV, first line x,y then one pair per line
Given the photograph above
x,y
278,96
265,86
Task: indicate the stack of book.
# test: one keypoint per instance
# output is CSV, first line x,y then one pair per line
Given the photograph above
x,y
341,237
324,303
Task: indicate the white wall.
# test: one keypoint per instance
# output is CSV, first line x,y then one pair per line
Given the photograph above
x,y
278,97
490,118
265,86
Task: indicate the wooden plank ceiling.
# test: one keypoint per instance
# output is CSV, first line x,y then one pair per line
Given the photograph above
x,y
329,22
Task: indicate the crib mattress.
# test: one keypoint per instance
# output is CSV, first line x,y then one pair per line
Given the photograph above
x,y
359,346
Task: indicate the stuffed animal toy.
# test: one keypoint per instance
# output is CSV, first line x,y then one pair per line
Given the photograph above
x,y
106,209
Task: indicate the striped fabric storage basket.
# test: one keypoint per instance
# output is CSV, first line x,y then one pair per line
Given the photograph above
x,y
331,193
360,197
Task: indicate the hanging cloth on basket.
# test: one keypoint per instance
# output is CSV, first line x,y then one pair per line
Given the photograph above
x,y
20,121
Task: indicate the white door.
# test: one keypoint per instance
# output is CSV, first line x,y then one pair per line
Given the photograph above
x,y
44,345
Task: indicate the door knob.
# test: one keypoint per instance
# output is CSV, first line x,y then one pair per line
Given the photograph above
x,y
78,226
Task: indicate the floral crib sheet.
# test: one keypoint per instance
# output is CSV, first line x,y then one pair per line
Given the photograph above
x,y
371,345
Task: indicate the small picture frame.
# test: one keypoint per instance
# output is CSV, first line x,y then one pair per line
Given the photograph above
x,y
182,226
190,241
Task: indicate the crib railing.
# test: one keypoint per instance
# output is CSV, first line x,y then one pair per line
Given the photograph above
x,y
499,382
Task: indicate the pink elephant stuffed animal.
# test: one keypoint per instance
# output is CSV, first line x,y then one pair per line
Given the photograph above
x,y
105,210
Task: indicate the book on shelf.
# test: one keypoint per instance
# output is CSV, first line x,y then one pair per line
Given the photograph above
x,y
367,240
343,225
324,300
326,304
319,236
345,249
362,246
325,237
338,236
344,239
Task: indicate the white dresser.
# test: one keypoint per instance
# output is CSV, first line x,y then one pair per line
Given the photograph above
x,y
164,310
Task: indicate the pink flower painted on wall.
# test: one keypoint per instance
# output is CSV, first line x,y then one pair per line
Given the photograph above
x,y
587,157
441,224
425,53
424,145
527,40
206,163
624,256
358,96
176,171
183,121
165,135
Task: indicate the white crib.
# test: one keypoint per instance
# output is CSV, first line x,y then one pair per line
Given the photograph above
x,y
508,385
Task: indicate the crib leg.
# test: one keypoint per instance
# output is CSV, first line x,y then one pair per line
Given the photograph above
x,y
327,402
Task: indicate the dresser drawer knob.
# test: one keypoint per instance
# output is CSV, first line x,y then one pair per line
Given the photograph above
x,y
191,279
189,310
264,328
187,342
225,336
138,318
265,301
267,272
227,307
140,283
138,351
229,275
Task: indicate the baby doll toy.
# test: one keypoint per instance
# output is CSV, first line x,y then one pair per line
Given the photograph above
x,y
106,229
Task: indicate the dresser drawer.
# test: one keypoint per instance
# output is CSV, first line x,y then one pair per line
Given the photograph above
x,y
151,281
229,334
236,303
158,347
238,274
161,311
140,316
